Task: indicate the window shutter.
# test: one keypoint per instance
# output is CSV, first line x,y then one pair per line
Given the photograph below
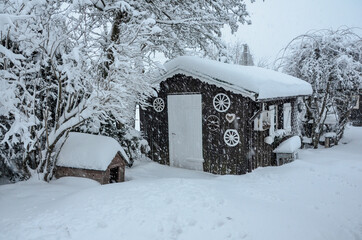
x,y
287,116
271,120
256,124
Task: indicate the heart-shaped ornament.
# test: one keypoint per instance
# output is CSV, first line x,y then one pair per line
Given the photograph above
x,y
230,117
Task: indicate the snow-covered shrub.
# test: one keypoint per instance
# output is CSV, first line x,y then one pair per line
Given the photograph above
x,y
130,139
134,144
71,64
331,61
51,86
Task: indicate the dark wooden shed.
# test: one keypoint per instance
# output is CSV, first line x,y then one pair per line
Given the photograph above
x,y
96,157
220,118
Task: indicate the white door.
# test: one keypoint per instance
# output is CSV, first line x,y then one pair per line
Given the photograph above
x,y
185,131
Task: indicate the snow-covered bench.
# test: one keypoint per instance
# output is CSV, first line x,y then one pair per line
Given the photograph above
x,y
287,151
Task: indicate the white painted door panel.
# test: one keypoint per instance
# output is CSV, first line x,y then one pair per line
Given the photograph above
x,y
185,131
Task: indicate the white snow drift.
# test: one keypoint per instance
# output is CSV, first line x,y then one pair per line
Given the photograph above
x,y
315,197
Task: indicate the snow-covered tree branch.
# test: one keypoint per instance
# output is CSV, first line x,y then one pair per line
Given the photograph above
x,y
84,65
332,62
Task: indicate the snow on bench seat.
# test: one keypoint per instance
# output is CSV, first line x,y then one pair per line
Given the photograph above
x,y
330,134
290,145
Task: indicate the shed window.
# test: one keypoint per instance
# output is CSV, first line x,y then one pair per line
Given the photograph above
x,y
262,122
267,120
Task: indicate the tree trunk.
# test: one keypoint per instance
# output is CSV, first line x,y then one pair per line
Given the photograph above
x,y
120,17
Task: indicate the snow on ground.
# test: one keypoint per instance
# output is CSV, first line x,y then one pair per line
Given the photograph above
x,y
319,196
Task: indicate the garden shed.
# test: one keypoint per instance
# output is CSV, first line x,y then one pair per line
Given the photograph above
x,y
96,157
220,118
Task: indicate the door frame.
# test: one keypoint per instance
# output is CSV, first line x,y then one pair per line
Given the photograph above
x,y
198,161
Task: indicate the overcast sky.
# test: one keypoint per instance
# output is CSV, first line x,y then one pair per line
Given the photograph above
x,y
276,22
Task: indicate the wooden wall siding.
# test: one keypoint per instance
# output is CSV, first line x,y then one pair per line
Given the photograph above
x,y
249,154
79,172
100,176
219,158
154,126
262,152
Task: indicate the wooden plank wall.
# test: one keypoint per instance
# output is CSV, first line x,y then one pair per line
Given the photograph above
x,y
219,158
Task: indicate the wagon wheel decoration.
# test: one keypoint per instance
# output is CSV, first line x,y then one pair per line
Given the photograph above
x,y
213,123
158,104
231,137
221,102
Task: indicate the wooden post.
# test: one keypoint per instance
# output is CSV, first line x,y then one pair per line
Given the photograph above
x,y
326,142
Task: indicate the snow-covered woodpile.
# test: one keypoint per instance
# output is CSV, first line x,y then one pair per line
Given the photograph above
x,y
96,157
220,118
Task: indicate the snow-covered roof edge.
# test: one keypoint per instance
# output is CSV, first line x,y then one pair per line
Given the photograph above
x,y
123,154
259,84
210,80
88,151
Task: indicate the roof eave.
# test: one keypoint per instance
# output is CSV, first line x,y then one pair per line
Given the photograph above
x,y
280,98
85,168
209,79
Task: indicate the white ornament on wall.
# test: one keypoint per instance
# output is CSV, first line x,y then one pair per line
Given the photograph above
x,y
230,117
158,104
221,102
231,137
213,122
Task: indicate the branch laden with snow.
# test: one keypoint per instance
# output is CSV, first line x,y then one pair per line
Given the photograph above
x,y
331,61
84,65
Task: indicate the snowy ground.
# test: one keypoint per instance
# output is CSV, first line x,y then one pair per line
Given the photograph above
x,y
318,196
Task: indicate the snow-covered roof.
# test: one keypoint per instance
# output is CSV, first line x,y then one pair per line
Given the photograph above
x,y
88,151
250,81
289,146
